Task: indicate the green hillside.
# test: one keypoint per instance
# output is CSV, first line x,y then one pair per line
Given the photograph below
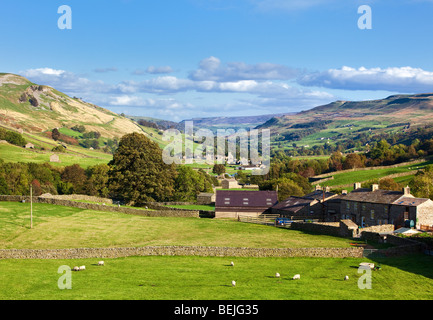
x,y
354,124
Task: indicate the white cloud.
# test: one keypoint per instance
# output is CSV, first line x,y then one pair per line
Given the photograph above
x,y
161,94
396,79
212,69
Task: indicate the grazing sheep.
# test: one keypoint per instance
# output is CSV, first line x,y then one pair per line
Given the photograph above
x,y
232,263
296,277
76,269
233,283
366,265
277,275
346,278
82,268
100,263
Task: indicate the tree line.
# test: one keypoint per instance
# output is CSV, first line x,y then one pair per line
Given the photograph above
x,y
136,175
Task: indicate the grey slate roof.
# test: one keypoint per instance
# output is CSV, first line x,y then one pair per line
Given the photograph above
x,y
293,204
378,196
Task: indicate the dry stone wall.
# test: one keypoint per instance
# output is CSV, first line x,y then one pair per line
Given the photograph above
x,y
85,253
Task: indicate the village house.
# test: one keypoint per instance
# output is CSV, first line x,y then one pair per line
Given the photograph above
x,y
231,204
372,206
230,184
311,205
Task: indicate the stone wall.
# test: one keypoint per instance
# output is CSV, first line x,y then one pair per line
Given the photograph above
x,y
80,197
323,228
378,228
159,212
85,253
403,246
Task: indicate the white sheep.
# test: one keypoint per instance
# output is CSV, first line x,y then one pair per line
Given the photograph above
x,y
100,263
76,269
232,263
82,268
233,283
296,277
346,278
277,275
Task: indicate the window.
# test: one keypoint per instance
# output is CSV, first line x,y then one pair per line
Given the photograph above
x,y
355,206
385,209
347,206
372,214
364,207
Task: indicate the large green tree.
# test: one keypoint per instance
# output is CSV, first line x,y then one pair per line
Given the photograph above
x,y
138,173
189,183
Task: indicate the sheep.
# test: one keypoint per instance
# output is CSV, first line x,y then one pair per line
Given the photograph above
x,y
82,268
346,278
277,275
232,263
76,269
296,277
100,263
233,283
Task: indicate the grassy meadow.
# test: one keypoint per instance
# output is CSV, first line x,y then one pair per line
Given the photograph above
x,y
351,177
188,277
59,227
209,278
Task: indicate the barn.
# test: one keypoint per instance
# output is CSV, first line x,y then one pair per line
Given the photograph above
x,y
231,204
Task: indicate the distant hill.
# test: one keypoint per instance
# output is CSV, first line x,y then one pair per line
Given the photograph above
x,y
35,108
357,122
235,123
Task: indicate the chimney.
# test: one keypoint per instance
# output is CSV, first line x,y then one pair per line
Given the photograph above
x,y
318,187
328,189
374,187
357,185
344,192
406,191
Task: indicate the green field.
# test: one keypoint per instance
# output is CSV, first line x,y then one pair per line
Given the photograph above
x,y
351,177
204,207
209,278
11,153
59,227
188,277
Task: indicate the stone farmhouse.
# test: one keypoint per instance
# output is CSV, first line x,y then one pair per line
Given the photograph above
x,y
308,205
231,204
364,206
368,207
230,184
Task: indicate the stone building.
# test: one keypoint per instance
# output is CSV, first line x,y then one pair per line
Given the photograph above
x,y
369,207
206,198
312,205
231,204
229,184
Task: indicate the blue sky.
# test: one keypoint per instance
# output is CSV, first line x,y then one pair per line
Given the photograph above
x,y
180,59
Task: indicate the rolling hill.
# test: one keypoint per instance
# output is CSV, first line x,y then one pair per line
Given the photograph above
x,y
343,121
35,109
